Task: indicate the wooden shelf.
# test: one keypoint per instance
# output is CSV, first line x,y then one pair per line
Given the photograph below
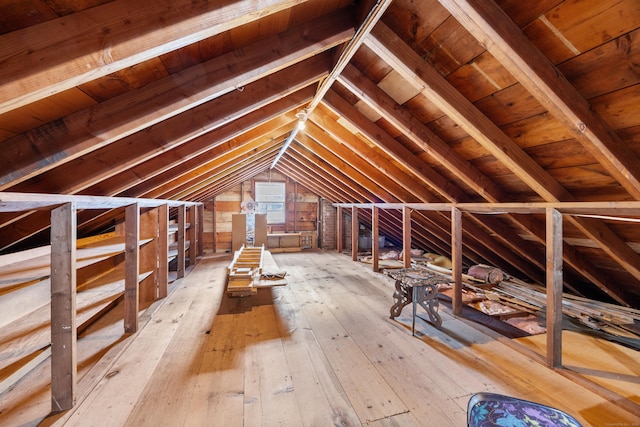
x,y
284,242
51,294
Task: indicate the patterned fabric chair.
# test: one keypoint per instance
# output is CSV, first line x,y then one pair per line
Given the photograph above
x,y
489,409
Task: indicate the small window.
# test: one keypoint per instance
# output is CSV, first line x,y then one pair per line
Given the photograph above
x,y
270,197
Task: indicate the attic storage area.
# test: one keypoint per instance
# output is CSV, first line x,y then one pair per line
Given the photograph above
x,y
496,133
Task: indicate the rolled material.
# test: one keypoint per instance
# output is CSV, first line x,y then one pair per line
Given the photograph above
x,y
488,274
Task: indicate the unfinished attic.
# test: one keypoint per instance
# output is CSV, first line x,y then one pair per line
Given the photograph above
x,y
319,213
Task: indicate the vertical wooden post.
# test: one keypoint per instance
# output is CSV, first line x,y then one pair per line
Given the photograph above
x,y
554,287
319,223
375,245
339,232
214,246
64,368
456,258
193,235
182,213
406,236
355,229
132,268
148,229
163,251
200,217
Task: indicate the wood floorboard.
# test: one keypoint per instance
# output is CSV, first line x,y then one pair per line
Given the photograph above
x,y
318,389
321,351
369,330
218,395
608,364
269,390
182,359
370,395
119,392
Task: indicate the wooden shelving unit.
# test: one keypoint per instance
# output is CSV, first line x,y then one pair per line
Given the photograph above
x,y
49,295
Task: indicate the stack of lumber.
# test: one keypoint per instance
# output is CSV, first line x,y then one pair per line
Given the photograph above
x,y
616,322
622,322
250,269
244,270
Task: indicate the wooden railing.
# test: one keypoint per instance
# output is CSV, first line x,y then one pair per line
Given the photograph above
x,y
554,212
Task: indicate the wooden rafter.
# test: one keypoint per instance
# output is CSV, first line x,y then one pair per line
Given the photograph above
x,y
356,168
431,143
98,41
392,148
183,136
116,118
422,172
495,30
424,77
126,176
382,163
339,168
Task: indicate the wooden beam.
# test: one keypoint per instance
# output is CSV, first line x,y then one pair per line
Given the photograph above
x,y
182,213
193,235
211,175
406,236
384,42
315,160
163,251
363,165
495,30
395,150
412,128
99,125
328,189
214,222
355,229
456,259
243,173
17,202
375,244
132,268
554,288
378,159
200,230
324,176
260,105
83,46
422,136
148,257
64,369
350,164
339,230
180,164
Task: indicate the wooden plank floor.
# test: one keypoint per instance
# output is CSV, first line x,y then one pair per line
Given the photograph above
x,y
320,351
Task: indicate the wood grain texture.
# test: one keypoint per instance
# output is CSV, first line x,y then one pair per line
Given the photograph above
x,y
109,43
64,369
208,357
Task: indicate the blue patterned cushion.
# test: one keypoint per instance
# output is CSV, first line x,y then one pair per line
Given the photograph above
x,y
488,409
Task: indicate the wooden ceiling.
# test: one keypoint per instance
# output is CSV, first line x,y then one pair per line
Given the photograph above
x,y
404,101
